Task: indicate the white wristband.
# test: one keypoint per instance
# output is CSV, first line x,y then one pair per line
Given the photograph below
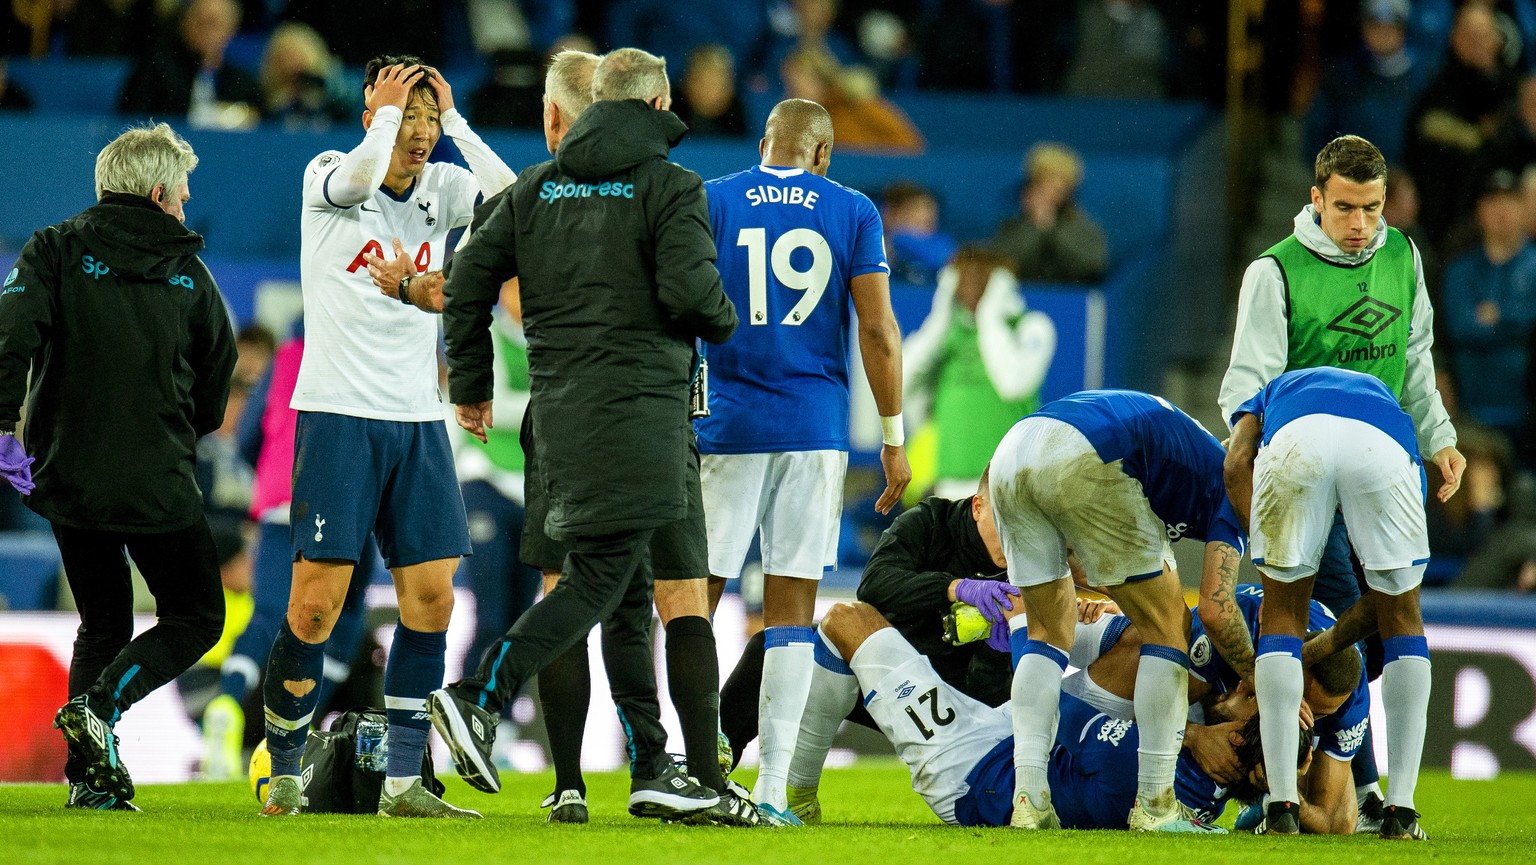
x,y
892,432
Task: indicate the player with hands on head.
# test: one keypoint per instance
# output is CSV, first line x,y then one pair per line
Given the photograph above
x,y
371,451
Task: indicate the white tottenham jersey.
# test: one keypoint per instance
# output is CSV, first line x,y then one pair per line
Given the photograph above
x,y
365,354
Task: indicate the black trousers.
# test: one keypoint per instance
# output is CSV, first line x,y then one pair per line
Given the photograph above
x,y
607,579
111,666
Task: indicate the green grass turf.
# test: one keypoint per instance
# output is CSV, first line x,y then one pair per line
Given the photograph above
x,y
872,817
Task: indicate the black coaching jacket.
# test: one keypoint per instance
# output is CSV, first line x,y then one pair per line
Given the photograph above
x,y
131,352
907,580
612,247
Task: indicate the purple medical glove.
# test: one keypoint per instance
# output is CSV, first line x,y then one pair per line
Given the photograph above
x,y
15,465
1001,637
991,597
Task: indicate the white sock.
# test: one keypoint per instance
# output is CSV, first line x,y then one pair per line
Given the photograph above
x,y
396,786
1036,709
1161,707
1405,693
1277,678
833,693
787,663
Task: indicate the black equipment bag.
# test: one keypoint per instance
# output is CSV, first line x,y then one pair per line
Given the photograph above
x,y
331,780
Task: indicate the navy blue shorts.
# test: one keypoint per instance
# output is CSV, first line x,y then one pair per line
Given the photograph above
x,y
354,475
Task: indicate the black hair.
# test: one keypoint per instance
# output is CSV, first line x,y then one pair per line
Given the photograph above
x,y
1250,755
1337,674
423,87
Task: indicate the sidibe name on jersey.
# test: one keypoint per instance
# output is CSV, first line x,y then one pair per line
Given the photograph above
x,y
782,195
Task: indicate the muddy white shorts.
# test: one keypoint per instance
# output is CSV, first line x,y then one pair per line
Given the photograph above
x,y
1320,463
1050,491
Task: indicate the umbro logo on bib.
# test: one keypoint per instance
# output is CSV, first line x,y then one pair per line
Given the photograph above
x,y
1366,317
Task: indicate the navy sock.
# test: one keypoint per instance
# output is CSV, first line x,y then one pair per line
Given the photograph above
x,y
415,670
292,689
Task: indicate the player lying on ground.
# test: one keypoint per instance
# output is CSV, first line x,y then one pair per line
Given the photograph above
x,y
1310,443
960,751
1336,698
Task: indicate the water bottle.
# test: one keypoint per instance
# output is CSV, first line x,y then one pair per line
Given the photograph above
x,y
371,745
698,391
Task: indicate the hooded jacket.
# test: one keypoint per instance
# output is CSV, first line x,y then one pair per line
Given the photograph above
x,y
131,353
612,247
1261,343
907,579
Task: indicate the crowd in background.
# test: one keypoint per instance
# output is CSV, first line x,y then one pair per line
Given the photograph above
x,y
1446,89
231,65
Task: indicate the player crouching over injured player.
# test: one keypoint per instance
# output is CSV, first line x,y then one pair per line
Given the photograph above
x,y
960,751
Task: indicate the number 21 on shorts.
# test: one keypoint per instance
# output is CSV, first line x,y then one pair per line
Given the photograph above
x,y
813,280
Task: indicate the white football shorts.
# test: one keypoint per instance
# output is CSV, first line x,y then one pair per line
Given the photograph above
x,y
1050,491
793,500
1320,463
938,732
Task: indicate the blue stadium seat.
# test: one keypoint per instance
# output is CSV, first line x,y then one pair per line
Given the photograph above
x,y
71,86
29,570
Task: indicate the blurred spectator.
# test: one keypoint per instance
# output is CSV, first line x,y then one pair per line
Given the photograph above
x,y
975,365
1370,91
223,475
572,41
498,25
513,96
256,345
357,31
1122,51
299,81
1528,195
1459,112
887,48
706,99
914,246
672,28
1490,307
971,44
12,97
1460,528
84,28
1513,146
1401,211
861,118
187,76
1052,239
806,25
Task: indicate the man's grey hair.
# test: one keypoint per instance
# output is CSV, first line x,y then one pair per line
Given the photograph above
x,y
629,73
568,83
142,158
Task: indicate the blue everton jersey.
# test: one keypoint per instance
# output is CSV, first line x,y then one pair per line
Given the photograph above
x,y
1330,391
789,243
1338,734
1178,463
1092,775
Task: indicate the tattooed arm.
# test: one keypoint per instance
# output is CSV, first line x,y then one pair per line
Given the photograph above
x,y
1218,609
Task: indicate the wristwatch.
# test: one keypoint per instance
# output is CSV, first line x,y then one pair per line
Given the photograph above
x,y
405,290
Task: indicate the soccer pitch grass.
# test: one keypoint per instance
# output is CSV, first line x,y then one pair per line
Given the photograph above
x,y
872,816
